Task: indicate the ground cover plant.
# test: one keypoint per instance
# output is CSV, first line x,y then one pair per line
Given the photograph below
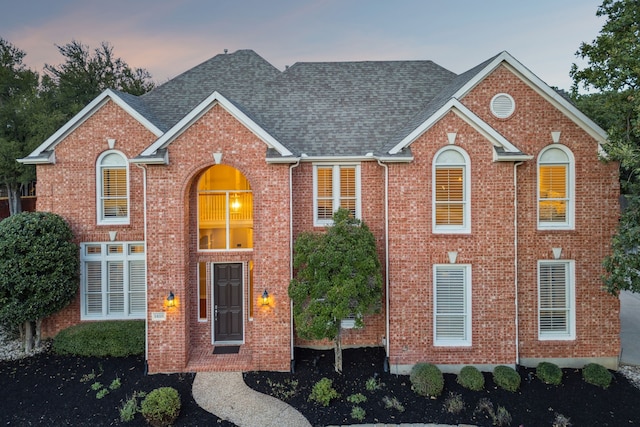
x,y
389,398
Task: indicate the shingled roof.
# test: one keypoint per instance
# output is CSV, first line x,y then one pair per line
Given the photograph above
x,y
313,110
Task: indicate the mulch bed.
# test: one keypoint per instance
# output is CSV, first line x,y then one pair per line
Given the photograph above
x,y
51,390
535,404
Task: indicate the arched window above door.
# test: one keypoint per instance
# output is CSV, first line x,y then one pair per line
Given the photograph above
x,y
225,210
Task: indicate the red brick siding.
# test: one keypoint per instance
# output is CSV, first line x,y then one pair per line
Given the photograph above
x,y
68,188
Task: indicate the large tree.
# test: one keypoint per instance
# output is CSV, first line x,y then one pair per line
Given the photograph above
x,y
338,276
613,72
18,91
85,74
38,270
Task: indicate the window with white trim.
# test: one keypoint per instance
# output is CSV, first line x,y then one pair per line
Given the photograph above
x,y
113,280
451,195
556,300
112,188
335,186
452,305
555,188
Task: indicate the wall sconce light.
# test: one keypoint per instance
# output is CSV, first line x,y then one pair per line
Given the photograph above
x,y
171,299
265,298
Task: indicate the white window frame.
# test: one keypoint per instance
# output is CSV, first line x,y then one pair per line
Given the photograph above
x,y
104,257
335,190
569,223
101,219
465,228
451,342
570,292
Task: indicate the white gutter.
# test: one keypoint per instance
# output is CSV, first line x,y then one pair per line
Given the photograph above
x,y
292,332
515,248
386,256
146,265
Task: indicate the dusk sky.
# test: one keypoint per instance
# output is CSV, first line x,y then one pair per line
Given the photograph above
x,y
169,37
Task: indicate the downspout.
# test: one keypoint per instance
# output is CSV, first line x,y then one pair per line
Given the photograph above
x,y
292,363
146,255
515,249
386,263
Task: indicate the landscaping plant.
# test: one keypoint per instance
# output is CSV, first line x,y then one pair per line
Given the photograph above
x,y
161,407
426,379
323,392
597,374
470,377
549,373
506,377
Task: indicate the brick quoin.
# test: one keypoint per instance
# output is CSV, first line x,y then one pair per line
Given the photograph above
x,y
502,333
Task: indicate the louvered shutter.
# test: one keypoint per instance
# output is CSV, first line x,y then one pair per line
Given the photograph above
x,y
348,189
115,287
553,193
137,292
449,191
553,298
450,304
324,192
93,294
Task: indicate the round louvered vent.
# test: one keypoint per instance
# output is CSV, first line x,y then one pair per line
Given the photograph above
x,y
502,105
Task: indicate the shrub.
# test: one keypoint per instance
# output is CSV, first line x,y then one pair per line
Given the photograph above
x,y
454,404
356,398
502,417
323,392
506,378
373,384
130,407
392,402
549,373
116,338
426,380
470,377
161,406
596,374
358,413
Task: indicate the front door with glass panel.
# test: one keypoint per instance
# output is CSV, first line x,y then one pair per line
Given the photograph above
x,y
227,303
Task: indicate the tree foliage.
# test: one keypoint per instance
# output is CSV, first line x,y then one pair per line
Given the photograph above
x,y
613,70
38,268
338,276
85,74
18,88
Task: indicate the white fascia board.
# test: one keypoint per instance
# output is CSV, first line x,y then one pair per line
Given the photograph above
x,y
537,84
468,116
87,112
200,110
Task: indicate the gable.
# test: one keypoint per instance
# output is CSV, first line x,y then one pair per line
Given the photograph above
x,y
157,152
45,153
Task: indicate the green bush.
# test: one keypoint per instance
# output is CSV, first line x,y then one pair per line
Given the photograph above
x,y
161,407
117,338
426,379
358,413
549,373
470,377
596,374
506,377
323,392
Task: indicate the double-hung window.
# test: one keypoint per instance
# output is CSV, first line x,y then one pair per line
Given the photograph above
x,y
555,188
556,300
113,280
452,305
451,195
335,186
112,188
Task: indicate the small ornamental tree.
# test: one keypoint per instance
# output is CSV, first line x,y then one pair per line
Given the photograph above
x,y
38,270
338,276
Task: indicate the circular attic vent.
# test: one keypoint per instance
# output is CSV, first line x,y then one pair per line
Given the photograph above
x,y
502,105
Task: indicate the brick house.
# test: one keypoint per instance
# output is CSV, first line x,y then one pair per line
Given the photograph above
x,y
491,209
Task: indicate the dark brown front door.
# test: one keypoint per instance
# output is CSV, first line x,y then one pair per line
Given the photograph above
x,y
227,303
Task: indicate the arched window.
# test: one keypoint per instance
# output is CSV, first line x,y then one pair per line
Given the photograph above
x,y
555,188
451,195
112,188
225,210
